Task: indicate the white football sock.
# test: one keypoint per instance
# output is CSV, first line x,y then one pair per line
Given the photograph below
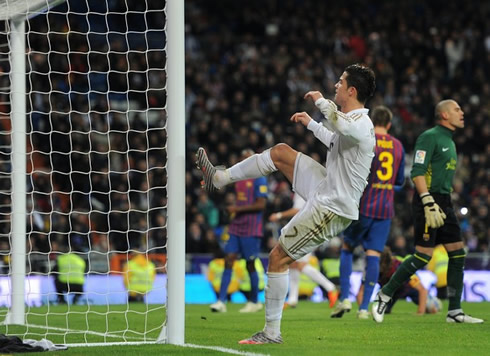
x,y
258,165
275,294
293,286
317,277
221,178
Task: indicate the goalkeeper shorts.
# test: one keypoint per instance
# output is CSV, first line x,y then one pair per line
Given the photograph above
x,y
447,233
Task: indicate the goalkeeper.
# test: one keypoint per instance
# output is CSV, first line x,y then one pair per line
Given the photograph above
x,y
434,219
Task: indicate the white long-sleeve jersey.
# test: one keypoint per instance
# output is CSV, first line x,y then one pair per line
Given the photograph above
x,y
350,141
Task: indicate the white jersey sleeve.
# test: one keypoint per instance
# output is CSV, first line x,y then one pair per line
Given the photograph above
x,y
320,132
345,125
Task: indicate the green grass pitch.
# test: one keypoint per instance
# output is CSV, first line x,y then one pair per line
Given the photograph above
x,y
306,330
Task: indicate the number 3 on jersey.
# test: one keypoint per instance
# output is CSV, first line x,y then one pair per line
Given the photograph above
x,y
386,160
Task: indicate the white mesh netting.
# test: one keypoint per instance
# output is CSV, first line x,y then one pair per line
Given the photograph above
x,y
96,177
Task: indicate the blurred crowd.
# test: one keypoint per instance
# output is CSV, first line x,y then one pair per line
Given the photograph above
x,y
96,129
96,108
249,66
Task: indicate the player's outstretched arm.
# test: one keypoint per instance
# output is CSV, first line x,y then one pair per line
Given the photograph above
x,y
302,118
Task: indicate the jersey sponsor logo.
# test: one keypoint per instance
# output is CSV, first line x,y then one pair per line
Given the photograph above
x,y
263,189
444,149
420,156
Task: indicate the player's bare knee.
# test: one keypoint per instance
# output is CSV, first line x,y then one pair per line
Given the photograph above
x,y
425,250
373,253
281,154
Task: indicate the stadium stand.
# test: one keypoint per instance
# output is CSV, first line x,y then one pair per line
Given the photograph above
x,y
248,67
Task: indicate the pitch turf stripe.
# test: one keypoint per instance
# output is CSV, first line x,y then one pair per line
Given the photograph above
x,y
311,234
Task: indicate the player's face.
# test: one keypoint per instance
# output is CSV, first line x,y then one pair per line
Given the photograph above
x,y
341,90
455,116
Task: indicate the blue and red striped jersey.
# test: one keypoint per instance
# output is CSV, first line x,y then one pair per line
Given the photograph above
x,y
249,224
387,172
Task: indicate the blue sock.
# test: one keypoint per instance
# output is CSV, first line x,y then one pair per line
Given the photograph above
x,y
254,287
345,272
372,273
225,282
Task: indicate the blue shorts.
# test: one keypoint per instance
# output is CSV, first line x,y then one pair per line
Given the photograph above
x,y
372,233
247,246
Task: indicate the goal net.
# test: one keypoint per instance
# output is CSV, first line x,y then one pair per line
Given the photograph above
x,y
94,134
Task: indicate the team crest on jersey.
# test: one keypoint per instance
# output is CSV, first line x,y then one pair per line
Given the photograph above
x,y
419,157
426,237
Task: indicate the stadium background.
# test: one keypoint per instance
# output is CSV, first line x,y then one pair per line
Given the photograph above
x,y
247,69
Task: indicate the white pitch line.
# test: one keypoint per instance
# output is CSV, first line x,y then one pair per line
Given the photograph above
x,y
224,349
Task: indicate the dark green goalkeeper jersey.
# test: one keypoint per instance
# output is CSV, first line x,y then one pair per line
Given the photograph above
x,y
435,158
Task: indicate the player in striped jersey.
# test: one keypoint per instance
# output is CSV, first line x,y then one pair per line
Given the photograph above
x,y
332,192
376,211
246,231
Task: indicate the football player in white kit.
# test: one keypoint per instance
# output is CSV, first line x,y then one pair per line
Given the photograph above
x,y
332,192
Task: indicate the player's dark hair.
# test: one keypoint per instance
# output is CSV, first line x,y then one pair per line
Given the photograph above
x,y
363,79
381,116
385,260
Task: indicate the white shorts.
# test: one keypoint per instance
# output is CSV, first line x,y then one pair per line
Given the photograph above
x,y
313,224
305,258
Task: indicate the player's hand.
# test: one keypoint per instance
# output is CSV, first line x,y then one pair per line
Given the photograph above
x,y
275,217
313,95
301,117
434,216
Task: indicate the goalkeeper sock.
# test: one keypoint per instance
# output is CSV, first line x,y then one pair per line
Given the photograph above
x,y
345,272
317,277
225,282
404,272
293,286
275,294
255,166
370,280
455,273
254,286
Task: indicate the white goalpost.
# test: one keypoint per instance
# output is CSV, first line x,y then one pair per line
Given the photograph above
x,y
92,165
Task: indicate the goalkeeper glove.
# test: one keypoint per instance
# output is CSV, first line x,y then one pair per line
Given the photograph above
x,y
434,216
